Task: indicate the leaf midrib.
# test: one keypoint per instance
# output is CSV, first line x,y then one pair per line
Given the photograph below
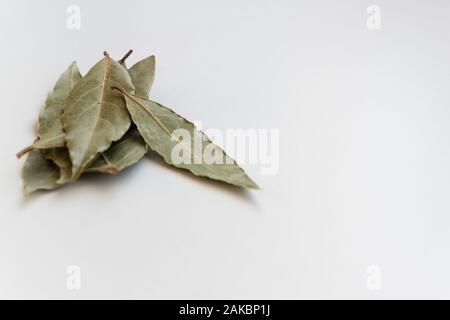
x,y
157,120
132,97
103,85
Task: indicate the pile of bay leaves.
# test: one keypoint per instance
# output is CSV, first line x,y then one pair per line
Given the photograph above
x,y
105,122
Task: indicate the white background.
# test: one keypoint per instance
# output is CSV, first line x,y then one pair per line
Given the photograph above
x,y
364,152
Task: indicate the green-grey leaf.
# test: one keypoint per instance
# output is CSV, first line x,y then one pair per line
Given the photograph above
x,y
53,138
50,126
122,154
142,75
39,173
131,147
94,115
157,124
53,104
50,129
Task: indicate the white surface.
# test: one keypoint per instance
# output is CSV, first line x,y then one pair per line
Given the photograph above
x,y
364,152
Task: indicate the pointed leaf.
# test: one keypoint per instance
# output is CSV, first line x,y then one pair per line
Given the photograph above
x,y
53,138
122,154
39,173
131,147
157,124
94,116
50,126
142,75
50,129
53,104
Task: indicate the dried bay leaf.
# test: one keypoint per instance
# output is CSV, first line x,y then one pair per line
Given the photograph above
x,y
94,115
53,104
131,147
142,75
105,123
53,138
49,120
157,123
122,154
50,129
39,173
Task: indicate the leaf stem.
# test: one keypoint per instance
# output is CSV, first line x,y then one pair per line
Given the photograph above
x,y
24,151
122,61
117,88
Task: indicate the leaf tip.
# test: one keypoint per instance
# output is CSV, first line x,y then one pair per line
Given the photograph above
x,y
254,186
